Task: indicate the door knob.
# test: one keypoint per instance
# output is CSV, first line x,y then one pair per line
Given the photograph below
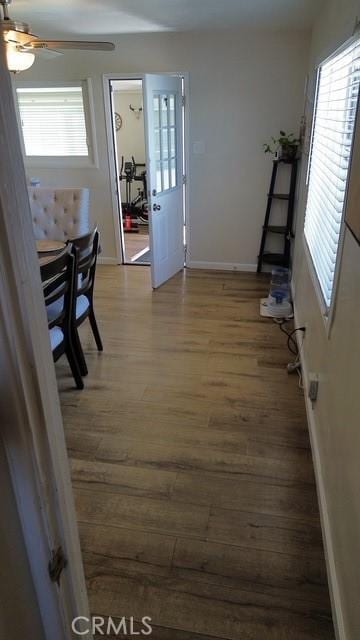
x,y
156,207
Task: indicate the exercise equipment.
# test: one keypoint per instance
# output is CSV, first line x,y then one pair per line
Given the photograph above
x,y
134,210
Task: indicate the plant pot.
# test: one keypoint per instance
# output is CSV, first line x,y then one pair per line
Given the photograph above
x,y
288,152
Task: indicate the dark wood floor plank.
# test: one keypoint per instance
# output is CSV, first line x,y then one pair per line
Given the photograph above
x,y
297,501
114,478
202,459
145,514
257,566
115,544
268,532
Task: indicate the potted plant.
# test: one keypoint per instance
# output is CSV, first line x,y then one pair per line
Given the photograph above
x,y
283,148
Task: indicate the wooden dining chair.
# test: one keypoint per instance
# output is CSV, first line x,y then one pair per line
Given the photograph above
x,y
58,276
88,248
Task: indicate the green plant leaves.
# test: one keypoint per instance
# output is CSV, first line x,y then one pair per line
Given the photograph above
x,y
285,140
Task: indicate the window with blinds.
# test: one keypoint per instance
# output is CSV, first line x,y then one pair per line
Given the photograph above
x,y
332,136
53,121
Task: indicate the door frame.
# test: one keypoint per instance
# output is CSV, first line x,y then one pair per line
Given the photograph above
x,y
32,428
114,186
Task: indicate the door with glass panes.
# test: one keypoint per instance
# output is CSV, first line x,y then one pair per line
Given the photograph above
x,y
164,150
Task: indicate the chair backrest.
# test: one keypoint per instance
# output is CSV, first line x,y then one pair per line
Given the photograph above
x,y
58,278
87,251
59,214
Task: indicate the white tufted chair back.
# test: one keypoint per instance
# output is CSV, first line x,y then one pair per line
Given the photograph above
x,y
59,214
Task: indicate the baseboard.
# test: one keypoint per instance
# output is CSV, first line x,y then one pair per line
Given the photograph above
x,y
221,266
335,597
216,266
104,260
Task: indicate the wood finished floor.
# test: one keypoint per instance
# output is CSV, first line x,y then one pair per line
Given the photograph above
x,y
135,242
191,464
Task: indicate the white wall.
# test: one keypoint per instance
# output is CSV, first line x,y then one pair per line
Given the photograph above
x,y
336,414
244,87
131,136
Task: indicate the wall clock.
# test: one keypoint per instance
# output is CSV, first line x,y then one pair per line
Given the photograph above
x,y
118,121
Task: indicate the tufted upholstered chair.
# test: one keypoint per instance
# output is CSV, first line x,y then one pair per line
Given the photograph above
x,y
59,214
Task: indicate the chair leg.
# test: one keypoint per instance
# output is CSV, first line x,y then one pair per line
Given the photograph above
x,y
74,366
79,353
95,329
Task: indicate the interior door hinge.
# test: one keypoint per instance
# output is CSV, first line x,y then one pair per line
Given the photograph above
x,y
184,180
183,101
57,564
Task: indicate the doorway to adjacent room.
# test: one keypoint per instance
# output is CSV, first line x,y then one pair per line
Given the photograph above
x,y
129,137
147,125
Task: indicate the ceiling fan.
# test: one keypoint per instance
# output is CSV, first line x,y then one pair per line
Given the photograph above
x,y
22,45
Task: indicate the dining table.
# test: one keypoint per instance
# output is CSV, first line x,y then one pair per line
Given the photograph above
x,y
48,249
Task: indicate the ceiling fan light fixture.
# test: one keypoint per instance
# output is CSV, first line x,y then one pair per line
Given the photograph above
x,y
21,44
18,60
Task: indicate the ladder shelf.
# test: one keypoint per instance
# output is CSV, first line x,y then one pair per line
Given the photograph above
x,y
279,259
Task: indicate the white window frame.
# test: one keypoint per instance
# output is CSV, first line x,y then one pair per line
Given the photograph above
x,y
327,313
63,162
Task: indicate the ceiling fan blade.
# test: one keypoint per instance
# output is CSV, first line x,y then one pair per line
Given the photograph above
x,y
47,54
72,44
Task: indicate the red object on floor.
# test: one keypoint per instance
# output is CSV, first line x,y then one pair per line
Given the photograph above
x,y
127,222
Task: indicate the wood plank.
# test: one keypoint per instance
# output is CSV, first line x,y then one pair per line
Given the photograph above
x,y
120,544
121,430
268,532
113,478
222,460
82,445
145,514
258,567
244,494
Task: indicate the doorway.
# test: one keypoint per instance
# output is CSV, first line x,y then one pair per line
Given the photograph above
x,y
129,149
148,169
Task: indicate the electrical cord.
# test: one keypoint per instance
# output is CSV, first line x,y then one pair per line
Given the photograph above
x,y
302,329
291,342
293,348
297,360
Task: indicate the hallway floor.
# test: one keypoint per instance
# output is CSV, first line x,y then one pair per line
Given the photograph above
x,y
135,243
191,464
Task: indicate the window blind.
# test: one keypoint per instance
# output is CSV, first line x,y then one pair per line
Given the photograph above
x,y
53,121
333,129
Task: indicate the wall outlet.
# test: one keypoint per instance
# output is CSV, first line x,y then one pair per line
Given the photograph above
x,y
313,389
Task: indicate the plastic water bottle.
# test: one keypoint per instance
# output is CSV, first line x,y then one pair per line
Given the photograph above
x,y
279,286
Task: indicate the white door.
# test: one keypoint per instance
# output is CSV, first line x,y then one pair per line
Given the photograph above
x,y
164,152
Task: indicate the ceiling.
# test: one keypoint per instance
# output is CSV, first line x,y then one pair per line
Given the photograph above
x,y
92,17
